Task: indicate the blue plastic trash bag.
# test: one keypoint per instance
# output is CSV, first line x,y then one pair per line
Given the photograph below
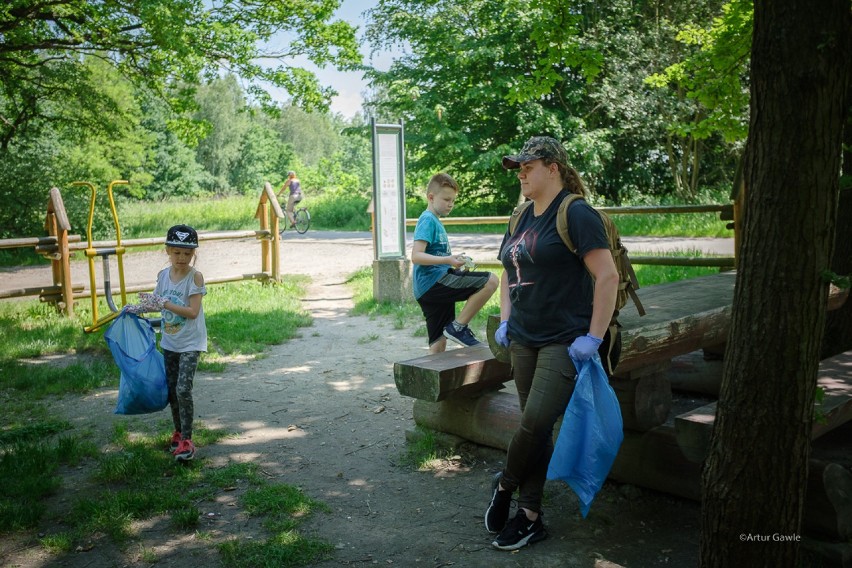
x,y
591,433
142,388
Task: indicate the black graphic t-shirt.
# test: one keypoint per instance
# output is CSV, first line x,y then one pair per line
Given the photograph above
x,y
550,289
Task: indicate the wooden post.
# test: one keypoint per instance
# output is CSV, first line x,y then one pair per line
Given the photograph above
x,y
58,226
262,215
739,212
274,215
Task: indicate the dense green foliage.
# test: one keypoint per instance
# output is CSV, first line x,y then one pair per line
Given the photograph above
x,y
576,71
650,99
101,91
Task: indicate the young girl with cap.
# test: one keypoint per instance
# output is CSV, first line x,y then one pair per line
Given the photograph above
x,y
178,294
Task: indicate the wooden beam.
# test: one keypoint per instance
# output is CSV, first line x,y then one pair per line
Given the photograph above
x,y
645,402
694,428
455,372
682,317
492,418
653,459
489,420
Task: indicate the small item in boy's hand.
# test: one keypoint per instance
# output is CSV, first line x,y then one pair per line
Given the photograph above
x,y
468,262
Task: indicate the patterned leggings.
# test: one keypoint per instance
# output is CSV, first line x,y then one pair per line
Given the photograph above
x,y
180,372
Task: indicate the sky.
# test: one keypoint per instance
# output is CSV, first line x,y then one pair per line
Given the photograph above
x,y
350,85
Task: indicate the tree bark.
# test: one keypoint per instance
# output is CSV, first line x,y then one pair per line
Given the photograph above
x,y
754,480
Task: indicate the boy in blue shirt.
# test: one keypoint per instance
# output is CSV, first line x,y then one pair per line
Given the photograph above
x,y
438,281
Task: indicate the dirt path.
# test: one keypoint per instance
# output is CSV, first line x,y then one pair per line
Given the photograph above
x,y
322,412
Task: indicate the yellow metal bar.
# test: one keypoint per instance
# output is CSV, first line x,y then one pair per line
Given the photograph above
x,y
119,250
97,324
90,251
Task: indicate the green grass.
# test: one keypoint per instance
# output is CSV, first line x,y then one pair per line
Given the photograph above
x,y
406,313
140,219
672,225
422,450
131,478
284,507
648,274
134,479
29,465
243,318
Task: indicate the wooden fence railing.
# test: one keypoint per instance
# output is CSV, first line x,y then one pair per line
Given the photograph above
x,y
726,212
59,246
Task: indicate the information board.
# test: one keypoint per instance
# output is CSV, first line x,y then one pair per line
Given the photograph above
x,y
388,190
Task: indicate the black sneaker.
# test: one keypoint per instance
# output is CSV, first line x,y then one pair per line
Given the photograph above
x,y
461,336
520,532
497,512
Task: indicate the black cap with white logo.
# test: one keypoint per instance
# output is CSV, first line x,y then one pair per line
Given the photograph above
x,y
182,236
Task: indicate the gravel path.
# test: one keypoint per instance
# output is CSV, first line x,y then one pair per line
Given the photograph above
x,y
322,412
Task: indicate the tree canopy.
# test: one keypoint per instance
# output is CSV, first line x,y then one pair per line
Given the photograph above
x,y
165,46
480,77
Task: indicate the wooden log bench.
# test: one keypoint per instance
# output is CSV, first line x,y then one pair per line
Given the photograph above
x,y
456,372
694,428
682,316
458,394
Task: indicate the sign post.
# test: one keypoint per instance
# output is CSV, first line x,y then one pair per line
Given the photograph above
x,y
391,267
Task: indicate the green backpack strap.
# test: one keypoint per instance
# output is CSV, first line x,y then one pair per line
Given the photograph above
x,y
562,220
516,215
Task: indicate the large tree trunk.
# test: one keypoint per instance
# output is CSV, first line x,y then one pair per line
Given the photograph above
x,y
755,475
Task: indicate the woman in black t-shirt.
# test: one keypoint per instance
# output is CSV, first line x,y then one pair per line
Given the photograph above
x,y
554,305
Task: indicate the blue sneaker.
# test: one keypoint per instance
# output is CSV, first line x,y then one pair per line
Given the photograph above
x,y
461,336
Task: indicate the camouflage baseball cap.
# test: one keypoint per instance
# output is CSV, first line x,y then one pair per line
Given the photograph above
x,y
536,148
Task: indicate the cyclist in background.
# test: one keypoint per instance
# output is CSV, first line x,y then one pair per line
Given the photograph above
x,y
292,182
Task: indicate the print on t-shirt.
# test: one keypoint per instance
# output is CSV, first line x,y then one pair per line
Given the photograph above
x,y
519,252
173,323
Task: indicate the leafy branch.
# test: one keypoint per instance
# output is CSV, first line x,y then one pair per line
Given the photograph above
x,y
842,282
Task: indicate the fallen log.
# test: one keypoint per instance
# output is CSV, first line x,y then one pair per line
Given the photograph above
x,y
488,418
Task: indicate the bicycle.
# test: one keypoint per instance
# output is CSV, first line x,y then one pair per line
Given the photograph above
x,y
302,222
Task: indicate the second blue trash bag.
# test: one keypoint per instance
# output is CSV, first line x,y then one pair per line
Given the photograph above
x,y
142,388
590,435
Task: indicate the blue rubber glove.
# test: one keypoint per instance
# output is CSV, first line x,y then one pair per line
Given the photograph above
x,y
501,335
584,347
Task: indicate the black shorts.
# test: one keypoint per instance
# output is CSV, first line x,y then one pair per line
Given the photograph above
x,y
439,302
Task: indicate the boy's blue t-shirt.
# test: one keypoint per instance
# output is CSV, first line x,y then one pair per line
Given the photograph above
x,y
430,229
